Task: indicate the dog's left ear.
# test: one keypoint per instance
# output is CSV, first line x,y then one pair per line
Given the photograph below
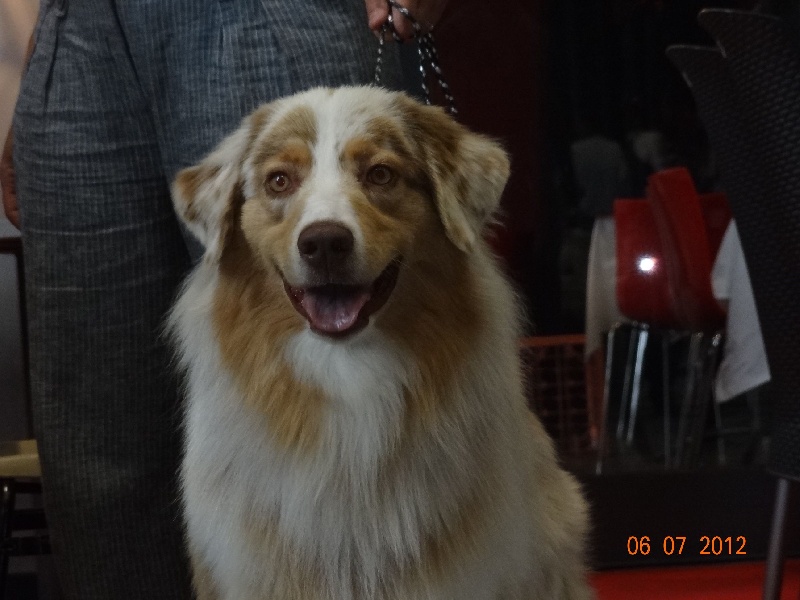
x,y
468,171
204,195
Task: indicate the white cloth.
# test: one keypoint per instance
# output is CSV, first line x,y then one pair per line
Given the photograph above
x,y
602,312
744,360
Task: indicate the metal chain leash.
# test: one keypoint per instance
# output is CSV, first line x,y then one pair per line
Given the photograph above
x,y
428,57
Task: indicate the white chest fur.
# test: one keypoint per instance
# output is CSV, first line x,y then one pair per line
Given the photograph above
x,y
333,509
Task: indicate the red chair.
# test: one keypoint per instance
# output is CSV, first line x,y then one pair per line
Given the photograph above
x,y
691,228
666,246
717,216
643,291
688,250
644,297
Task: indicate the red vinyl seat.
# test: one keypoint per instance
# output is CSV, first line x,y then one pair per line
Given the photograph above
x,y
643,290
694,232
687,247
717,216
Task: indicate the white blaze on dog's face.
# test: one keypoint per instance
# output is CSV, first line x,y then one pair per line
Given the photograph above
x,y
338,191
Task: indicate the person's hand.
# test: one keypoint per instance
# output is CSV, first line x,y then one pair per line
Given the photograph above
x,y
7,179
8,182
426,12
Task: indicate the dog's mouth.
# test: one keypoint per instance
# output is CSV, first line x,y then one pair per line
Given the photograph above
x,y
339,310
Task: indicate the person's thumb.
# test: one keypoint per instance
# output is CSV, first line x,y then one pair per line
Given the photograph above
x,y
8,182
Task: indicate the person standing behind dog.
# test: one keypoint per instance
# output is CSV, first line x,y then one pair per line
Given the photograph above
x,y
117,97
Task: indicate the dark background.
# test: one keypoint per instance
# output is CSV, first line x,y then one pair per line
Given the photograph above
x,y
531,73
528,72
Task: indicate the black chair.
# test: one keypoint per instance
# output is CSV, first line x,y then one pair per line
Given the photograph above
x,y
748,95
716,97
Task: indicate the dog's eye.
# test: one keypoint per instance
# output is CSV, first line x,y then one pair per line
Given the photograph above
x,y
380,175
278,182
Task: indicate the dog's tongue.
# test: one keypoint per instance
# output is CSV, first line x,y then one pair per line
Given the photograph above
x,y
334,309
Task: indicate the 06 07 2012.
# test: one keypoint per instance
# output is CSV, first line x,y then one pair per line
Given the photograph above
x,y
677,545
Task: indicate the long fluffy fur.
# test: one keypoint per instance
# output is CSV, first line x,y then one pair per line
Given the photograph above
x,y
402,462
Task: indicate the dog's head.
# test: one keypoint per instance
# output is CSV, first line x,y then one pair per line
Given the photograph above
x,y
336,191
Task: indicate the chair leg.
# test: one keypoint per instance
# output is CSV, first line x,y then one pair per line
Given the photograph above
x,y
666,398
626,383
6,511
753,401
603,434
776,551
721,456
707,366
636,390
704,363
686,405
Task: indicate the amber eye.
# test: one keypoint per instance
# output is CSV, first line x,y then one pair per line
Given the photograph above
x,y
380,175
278,182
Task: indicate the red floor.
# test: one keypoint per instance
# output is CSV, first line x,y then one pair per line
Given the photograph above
x,y
741,581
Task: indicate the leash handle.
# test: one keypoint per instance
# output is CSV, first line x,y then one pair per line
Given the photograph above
x,y
426,49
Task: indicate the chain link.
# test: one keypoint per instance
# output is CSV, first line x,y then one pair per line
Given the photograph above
x,y
426,49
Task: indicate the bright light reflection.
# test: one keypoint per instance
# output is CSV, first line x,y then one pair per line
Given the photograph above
x,y
647,264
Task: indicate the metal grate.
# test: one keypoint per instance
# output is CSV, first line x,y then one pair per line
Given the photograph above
x,y
557,389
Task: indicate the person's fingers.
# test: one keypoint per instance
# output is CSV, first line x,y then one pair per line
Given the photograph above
x,y
403,26
426,12
8,182
377,12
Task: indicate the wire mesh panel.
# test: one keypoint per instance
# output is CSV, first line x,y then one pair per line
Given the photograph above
x,y
558,391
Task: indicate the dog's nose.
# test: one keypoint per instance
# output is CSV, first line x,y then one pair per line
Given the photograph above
x,y
325,244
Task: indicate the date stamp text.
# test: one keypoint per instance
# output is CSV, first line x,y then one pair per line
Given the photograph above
x,y
677,545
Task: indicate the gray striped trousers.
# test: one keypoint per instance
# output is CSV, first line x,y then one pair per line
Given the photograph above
x,y
118,96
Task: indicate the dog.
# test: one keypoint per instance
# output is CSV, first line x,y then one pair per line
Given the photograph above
x,y
355,422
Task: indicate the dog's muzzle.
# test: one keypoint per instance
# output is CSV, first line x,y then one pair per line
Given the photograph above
x,y
332,307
